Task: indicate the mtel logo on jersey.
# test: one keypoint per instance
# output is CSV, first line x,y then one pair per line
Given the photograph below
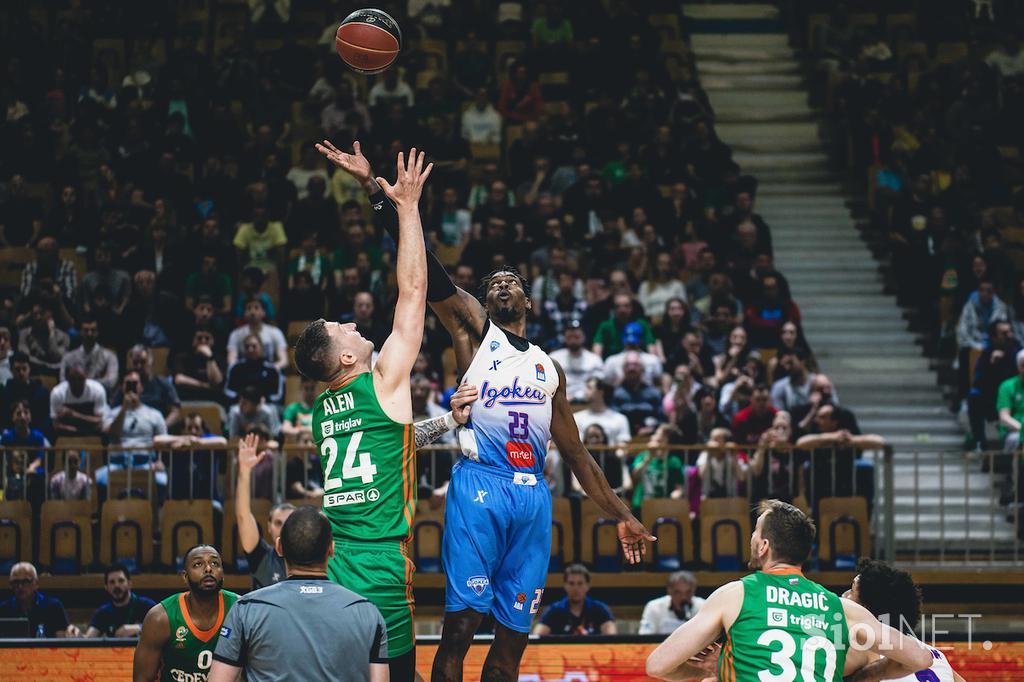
x,y
511,395
520,454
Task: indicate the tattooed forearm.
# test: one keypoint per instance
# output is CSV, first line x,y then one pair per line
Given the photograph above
x,y
429,430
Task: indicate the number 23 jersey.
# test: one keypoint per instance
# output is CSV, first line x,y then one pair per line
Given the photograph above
x,y
510,424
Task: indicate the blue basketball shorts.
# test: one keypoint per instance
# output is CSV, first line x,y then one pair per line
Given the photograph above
x,y
497,543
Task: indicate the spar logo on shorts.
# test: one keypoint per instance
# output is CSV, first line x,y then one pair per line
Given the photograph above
x,y
478,583
520,454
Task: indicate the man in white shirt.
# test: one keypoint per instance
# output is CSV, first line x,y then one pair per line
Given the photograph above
x,y
614,423
632,340
663,615
275,346
77,404
579,364
100,363
134,424
390,89
481,122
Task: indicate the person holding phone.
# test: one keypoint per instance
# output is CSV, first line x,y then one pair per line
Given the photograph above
x,y
134,424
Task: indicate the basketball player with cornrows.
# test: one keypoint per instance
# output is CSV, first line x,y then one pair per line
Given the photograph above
x,y
497,535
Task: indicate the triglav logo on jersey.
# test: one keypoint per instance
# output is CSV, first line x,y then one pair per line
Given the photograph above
x,y
478,583
777,618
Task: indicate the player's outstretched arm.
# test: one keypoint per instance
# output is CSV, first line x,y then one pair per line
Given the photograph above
x,y
429,430
399,352
867,632
680,656
156,630
566,435
460,312
248,527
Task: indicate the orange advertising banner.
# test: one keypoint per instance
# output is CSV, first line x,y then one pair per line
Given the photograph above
x,y
543,662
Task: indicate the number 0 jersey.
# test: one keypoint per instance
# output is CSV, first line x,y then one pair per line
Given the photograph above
x,y
789,628
188,653
368,463
510,424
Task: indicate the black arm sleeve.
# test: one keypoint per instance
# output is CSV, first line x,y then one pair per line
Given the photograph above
x,y
439,284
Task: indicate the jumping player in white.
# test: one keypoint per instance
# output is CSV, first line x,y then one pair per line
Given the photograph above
x,y
498,516
891,596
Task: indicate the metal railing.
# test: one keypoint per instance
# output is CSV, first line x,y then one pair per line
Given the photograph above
x,y
925,506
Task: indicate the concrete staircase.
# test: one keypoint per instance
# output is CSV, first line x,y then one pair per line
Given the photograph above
x,y
858,333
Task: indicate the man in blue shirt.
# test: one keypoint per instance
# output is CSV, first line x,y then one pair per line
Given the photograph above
x,y
122,615
46,613
21,435
576,614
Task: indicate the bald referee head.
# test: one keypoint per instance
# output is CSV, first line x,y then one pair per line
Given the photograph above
x,y
305,542
278,632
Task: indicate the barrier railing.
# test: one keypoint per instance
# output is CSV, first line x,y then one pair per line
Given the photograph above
x,y
928,506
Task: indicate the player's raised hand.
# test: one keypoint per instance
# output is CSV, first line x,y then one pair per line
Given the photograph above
x,y
462,402
355,164
632,535
247,456
410,177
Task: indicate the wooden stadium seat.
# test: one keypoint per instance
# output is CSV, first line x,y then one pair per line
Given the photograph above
x,y
13,260
908,19
482,152
864,19
666,23
131,484
184,524
767,355
950,53
844,531
230,546
90,447
159,355
126,533
211,414
427,533
599,539
296,327
554,85
15,533
423,79
669,521
435,55
725,533
48,381
563,536
65,536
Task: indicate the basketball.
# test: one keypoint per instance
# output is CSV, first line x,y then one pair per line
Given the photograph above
x,y
368,40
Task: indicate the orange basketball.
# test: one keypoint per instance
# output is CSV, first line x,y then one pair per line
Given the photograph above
x,y
368,40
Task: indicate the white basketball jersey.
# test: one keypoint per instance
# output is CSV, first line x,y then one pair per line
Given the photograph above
x,y
941,670
510,423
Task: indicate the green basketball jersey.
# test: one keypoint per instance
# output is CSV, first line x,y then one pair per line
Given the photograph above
x,y
368,462
188,653
789,629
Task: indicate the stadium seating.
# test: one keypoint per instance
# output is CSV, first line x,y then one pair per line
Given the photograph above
x,y
599,539
725,533
184,524
427,531
669,521
563,536
126,533
15,533
844,531
65,536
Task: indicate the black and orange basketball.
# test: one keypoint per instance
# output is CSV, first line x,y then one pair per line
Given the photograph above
x,y
368,40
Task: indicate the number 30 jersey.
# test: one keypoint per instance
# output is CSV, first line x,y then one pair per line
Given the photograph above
x,y
368,463
510,424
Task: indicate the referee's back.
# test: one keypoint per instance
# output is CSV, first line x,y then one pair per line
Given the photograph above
x,y
303,628
306,627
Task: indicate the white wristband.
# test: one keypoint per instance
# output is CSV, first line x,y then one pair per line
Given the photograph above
x,y
449,421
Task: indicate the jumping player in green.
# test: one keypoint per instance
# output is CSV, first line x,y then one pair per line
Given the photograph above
x,y
362,427
779,626
180,633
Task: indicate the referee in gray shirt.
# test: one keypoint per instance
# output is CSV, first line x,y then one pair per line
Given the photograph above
x,y
306,627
